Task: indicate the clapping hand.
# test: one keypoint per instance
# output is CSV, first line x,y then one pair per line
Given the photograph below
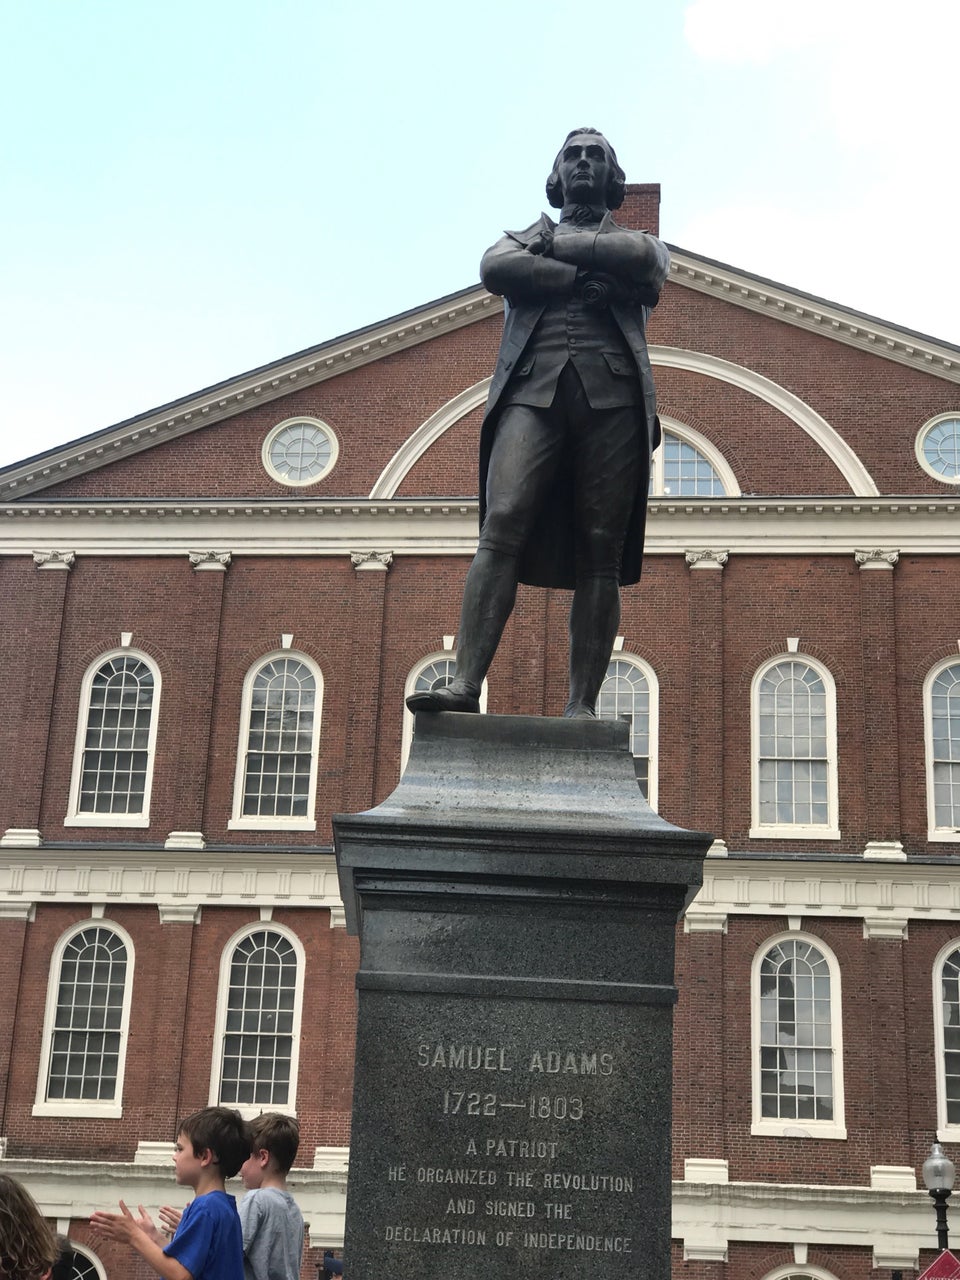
x,y
123,1226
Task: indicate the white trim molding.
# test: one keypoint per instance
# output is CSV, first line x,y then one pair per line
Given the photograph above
x,y
447,526
74,1189
885,896
166,881
891,1223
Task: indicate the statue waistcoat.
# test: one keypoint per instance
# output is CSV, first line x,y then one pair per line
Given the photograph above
x,y
591,340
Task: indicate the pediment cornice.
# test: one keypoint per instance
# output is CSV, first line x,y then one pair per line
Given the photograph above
x,y
448,526
226,399
816,315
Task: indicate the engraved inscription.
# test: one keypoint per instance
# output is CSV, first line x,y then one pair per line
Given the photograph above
x,y
545,1201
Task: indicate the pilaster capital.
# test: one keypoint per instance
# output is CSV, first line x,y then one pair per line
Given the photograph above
x,y
218,561
876,559
54,559
379,561
706,559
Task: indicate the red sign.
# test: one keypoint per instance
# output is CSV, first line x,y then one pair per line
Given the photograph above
x,y
946,1267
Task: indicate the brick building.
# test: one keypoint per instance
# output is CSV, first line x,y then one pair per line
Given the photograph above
x,y
293,543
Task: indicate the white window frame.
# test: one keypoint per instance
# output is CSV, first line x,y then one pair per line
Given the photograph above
x,y
946,1132
934,833
74,817
799,1271
953,415
250,1110
653,731
830,830
275,822
774,1127
300,419
670,426
105,1109
406,730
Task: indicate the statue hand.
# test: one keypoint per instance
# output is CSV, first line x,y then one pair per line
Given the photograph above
x,y
542,243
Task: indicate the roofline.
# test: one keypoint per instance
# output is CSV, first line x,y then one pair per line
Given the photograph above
x,y
271,381
351,335
866,316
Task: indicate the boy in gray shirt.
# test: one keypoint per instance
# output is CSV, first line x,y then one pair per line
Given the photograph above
x,y
272,1224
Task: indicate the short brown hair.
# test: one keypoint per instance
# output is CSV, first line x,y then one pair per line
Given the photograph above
x,y
278,1134
222,1131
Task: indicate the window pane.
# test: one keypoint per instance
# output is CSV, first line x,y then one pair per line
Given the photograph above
x,y
945,732
115,757
258,1044
625,695
793,758
280,737
686,471
85,1045
796,1047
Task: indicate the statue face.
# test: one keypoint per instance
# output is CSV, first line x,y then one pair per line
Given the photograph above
x,y
585,170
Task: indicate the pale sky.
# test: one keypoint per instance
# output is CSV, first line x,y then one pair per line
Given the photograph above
x,y
194,189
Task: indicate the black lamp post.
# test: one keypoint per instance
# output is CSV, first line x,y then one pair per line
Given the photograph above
x,y
938,1175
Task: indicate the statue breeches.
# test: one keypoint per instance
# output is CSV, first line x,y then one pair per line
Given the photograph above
x,y
596,458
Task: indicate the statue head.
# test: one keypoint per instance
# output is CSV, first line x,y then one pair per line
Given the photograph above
x,y
585,157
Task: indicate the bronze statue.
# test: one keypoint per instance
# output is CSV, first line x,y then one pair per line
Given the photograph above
x,y
570,424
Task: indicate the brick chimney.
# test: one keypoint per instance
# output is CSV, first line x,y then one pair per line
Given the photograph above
x,y
640,210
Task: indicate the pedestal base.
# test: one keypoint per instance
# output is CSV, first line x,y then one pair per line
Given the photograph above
x,y
516,901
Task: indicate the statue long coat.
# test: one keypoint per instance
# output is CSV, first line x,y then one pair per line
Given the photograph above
x,y
529,282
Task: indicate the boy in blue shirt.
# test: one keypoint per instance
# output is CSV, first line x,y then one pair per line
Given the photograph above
x,y
211,1146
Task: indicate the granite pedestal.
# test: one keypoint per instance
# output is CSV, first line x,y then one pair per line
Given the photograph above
x,y
516,901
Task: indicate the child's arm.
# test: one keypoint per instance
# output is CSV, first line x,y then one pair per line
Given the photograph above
x,y
127,1230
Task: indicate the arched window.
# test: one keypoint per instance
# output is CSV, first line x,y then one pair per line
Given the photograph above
x,y
794,754
942,724
946,1024
81,1265
629,692
797,1040
116,736
85,1026
688,465
258,1021
276,782
430,673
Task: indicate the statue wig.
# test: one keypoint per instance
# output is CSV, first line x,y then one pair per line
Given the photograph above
x,y
613,196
